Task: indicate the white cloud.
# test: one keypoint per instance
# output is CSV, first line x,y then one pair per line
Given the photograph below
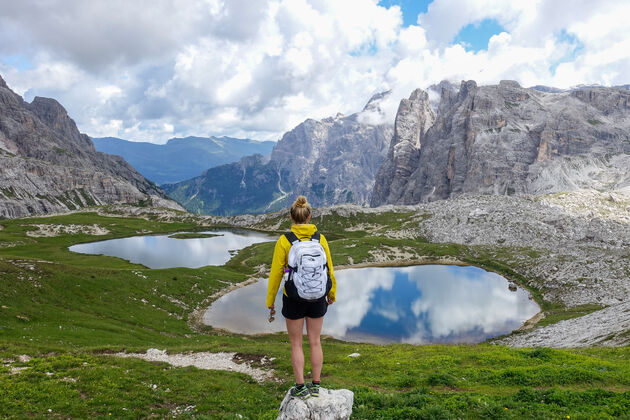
x,y
258,68
105,93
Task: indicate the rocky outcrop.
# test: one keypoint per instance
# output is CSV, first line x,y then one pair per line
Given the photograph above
x,y
331,161
607,327
505,139
330,405
413,119
48,166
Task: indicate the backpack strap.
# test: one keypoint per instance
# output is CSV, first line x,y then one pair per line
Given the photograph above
x,y
315,236
292,238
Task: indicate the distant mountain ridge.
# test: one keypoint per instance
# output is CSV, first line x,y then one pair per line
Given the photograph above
x,y
331,161
48,166
181,158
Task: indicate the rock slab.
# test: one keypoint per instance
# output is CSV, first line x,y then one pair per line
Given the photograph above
x,y
330,405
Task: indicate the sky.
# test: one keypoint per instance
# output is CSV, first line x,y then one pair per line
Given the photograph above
x,y
150,70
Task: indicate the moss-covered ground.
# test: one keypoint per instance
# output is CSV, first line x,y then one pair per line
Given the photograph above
x,y
69,312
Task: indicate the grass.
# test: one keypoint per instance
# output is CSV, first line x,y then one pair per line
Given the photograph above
x,y
69,311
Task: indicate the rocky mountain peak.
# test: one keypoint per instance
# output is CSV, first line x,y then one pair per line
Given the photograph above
x,y
414,117
49,111
467,88
506,139
375,101
506,84
55,116
47,165
7,96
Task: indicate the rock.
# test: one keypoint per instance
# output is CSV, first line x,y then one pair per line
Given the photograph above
x,y
512,287
354,355
48,166
477,213
413,119
330,405
606,327
505,140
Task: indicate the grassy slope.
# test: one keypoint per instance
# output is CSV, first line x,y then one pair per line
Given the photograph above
x,y
68,310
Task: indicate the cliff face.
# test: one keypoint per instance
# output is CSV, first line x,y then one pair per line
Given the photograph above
x,y
505,139
331,161
47,166
413,119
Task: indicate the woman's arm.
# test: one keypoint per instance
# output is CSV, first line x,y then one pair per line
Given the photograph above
x,y
277,270
332,295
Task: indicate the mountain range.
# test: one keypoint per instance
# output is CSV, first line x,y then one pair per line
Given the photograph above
x,y
181,158
495,139
48,166
505,139
498,139
333,160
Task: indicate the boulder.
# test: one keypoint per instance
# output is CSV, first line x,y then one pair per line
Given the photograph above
x,y
330,405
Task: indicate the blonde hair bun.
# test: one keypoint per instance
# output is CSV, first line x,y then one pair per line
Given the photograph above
x,y
300,210
301,202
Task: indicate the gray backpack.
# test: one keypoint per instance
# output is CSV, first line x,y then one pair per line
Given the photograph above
x,y
308,269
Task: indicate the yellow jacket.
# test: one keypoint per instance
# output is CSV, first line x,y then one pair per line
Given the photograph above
x,y
281,255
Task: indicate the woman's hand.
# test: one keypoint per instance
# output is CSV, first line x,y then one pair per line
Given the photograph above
x,y
330,301
271,307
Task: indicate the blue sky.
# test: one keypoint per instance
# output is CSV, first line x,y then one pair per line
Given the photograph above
x,y
410,9
473,37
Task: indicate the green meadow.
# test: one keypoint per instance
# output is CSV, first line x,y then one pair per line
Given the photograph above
x,y
69,313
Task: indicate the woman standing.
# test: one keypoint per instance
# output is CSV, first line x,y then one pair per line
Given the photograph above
x,y
295,308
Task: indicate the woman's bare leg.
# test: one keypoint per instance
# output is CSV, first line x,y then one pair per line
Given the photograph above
x,y
313,330
295,328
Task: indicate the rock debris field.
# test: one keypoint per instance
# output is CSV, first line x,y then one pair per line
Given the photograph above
x,y
205,360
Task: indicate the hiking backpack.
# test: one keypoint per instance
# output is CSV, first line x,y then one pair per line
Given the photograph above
x,y
308,269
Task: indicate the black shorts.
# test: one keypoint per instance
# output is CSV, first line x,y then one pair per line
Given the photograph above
x,y
295,309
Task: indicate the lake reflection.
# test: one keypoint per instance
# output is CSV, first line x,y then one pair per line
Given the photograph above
x,y
417,305
164,252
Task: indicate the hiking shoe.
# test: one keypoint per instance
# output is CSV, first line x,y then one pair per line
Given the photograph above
x,y
302,393
313,389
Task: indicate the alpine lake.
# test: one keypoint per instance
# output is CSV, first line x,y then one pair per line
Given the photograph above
x,y
415,305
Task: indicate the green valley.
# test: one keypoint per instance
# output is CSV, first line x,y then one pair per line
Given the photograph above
x,y
63,316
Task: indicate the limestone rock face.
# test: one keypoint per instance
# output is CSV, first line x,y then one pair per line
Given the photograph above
x,y
48,166
413,119
330,405
505,139
331,161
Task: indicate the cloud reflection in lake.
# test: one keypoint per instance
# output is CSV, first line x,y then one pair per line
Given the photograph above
x,y
164,252
420,304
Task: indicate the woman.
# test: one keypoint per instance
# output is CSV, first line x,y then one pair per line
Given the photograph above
x,y
295,309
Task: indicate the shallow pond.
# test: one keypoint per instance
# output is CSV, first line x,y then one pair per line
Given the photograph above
x,y
164,251
417,305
